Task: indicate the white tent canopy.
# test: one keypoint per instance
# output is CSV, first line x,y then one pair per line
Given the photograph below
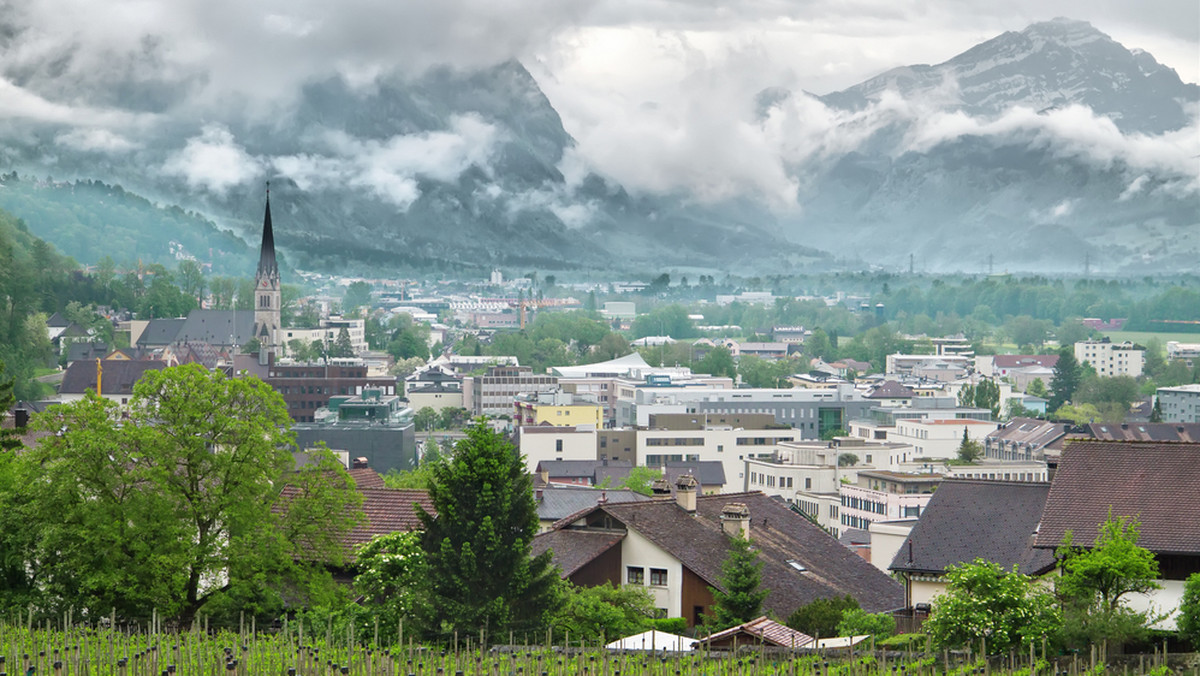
x,y
653,640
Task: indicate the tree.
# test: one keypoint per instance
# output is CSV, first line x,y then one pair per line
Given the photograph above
x,y
358,294
1156,412
452,417
739,598
1065,379
640,479
342,347
9,437
1082,414
1037,388
969,450
1189,611
983,601
481,574
425,419
390,577
1096,580
857,622
145,508
820,618
847,459
718,362
605,612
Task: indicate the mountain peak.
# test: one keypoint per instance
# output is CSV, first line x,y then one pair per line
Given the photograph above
x,y
1047,65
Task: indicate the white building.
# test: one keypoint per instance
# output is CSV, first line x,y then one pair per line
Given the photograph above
x,y
935,439
1188,353
538,443
1180,404
1111,359
908,364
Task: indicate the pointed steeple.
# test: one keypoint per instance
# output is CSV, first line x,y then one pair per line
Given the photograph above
x,y
267,267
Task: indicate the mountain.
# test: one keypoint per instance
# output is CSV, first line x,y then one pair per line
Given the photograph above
x,y
1042,150
1037,150
448,171
1046,66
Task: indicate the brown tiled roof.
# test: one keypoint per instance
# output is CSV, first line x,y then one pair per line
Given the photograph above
x,y
1159,483
385,510
573,549
971,518
786,542
365,477
764,630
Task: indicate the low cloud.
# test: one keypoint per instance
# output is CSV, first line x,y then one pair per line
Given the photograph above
x,y
213,161
390,169
96,140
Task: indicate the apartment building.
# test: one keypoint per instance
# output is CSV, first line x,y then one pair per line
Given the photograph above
x,y
1111,359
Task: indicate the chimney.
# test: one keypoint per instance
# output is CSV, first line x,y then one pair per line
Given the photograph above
x,y
538,495
360,462
735,520
685,492
603,499
20,418
660,487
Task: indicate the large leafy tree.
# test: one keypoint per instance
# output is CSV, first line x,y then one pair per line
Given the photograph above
x,y
1189,611
603,613
984,602
821,618
481,574
740,598
167,504
1097,580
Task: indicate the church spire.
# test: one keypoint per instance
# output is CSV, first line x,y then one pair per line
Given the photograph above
x,y
267,267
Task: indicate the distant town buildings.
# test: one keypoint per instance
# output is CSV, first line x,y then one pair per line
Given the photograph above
x,y
1111,359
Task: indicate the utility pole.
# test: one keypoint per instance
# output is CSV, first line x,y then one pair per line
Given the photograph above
x,y
910,264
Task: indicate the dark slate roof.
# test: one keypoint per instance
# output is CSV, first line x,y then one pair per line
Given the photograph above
x,y
561,501
119,376
1146,431
580,469
216,327
780,535
574,549
1012,361
57,320
92,350
891,390
267,267
1159,483
851,537
160,332
969,518
1029,431
707,472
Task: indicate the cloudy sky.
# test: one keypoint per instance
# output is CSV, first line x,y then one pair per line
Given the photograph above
x,y
626,75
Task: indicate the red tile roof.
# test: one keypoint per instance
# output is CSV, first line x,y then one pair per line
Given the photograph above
x,y
1159,483
761,630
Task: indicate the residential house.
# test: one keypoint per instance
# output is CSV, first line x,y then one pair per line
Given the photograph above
x,y
675,548
557,408
938,439
556,502
493,393
1156,483
1188,353
880,495
968,519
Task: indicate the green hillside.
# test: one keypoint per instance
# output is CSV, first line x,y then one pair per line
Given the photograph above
x,y
89,220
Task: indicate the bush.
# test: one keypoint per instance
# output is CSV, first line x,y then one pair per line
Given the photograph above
x,y
856,622
821,617
1189,611
671,625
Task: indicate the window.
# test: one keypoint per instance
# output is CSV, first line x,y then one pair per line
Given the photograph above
x,y
636,575
558,445
808,483
658,577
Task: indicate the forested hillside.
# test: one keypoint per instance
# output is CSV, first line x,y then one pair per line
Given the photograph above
x,y
88,220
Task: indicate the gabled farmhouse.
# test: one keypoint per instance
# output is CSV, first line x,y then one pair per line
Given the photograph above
x,y
675,546
1158,483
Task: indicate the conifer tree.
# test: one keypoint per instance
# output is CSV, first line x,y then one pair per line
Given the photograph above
x,y
481,574
8,437
741,575
1065,380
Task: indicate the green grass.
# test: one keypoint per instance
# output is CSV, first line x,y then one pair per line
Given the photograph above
x,y
1142,337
